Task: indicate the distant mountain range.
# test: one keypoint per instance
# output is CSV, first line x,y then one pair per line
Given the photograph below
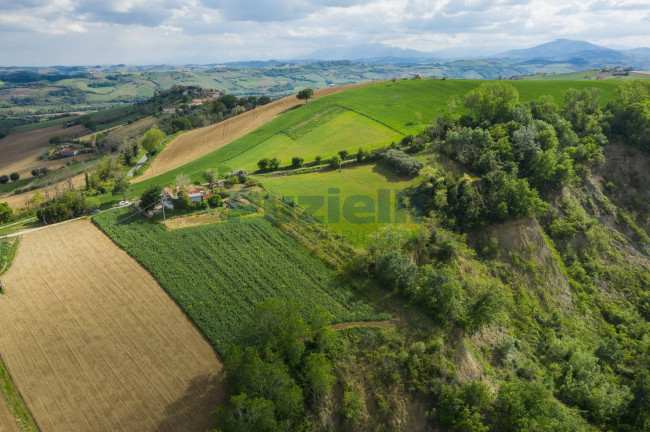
x,y
576,54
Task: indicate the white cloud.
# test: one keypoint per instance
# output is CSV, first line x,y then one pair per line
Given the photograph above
x,y
206,31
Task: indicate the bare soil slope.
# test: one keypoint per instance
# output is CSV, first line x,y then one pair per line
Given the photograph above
x,y
93,343
19,152
199,142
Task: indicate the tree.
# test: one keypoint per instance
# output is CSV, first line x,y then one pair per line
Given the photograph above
x,y
211,175
361,154
343,154
14,176
297,162
182,180
180,124
150,197
248,414
230,101
122,185
214,201
4,178
318,160
274,163
263,164
482,310
397,271
35,172
494,102
6,214
305,94
335,162
318,375
152,139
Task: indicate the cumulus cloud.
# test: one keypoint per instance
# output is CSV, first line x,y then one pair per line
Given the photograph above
x,y
206,31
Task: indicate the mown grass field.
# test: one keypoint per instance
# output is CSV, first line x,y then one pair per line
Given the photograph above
x,y
360,183
392,104
346,130
217,273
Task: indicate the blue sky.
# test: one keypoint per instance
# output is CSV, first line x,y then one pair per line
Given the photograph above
x,y
87,32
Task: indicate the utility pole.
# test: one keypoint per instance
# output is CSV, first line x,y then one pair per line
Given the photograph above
x,y
162,202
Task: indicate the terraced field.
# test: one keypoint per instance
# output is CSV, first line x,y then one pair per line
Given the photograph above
x,y
93,343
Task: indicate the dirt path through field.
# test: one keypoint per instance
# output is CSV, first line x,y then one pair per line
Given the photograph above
x,y
382,324
199,142
92,342
19,152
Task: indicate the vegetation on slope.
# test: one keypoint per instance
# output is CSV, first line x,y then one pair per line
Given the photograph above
x,y
218,273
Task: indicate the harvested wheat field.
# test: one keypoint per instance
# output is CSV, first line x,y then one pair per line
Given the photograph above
x,y
93,343
199,142
20,151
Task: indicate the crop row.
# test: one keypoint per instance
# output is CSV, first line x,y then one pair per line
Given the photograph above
x,y
217,273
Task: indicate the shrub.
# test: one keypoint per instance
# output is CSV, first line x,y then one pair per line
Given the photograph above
x,y
4,179
343,154
397,271
402,162
214,201
297,162
335,162
263,164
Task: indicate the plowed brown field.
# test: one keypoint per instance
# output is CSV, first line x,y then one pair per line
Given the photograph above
x,y
199,142
93,343
19,152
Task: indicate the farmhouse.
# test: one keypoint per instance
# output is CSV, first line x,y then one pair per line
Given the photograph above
x,y
68,152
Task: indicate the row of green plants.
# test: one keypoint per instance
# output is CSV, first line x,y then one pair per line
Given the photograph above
x,y
218,272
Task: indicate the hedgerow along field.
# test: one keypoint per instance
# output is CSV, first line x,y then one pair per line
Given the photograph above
x,y
393,104
364,180
217,273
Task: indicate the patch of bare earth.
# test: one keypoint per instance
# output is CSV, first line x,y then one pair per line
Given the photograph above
x,y
93,343
199,142
19,152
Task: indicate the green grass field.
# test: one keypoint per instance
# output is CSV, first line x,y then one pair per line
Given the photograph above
x,y
344,131
392,104
217,273
40,125
360,183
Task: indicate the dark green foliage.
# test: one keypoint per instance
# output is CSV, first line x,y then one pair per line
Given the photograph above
x,y
335,162
630,117
494,102
462,408
440,293
396,272
305,94
4,178
150,197
402,163
14,176
266,372
343,154
297,162
6,213
214,201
